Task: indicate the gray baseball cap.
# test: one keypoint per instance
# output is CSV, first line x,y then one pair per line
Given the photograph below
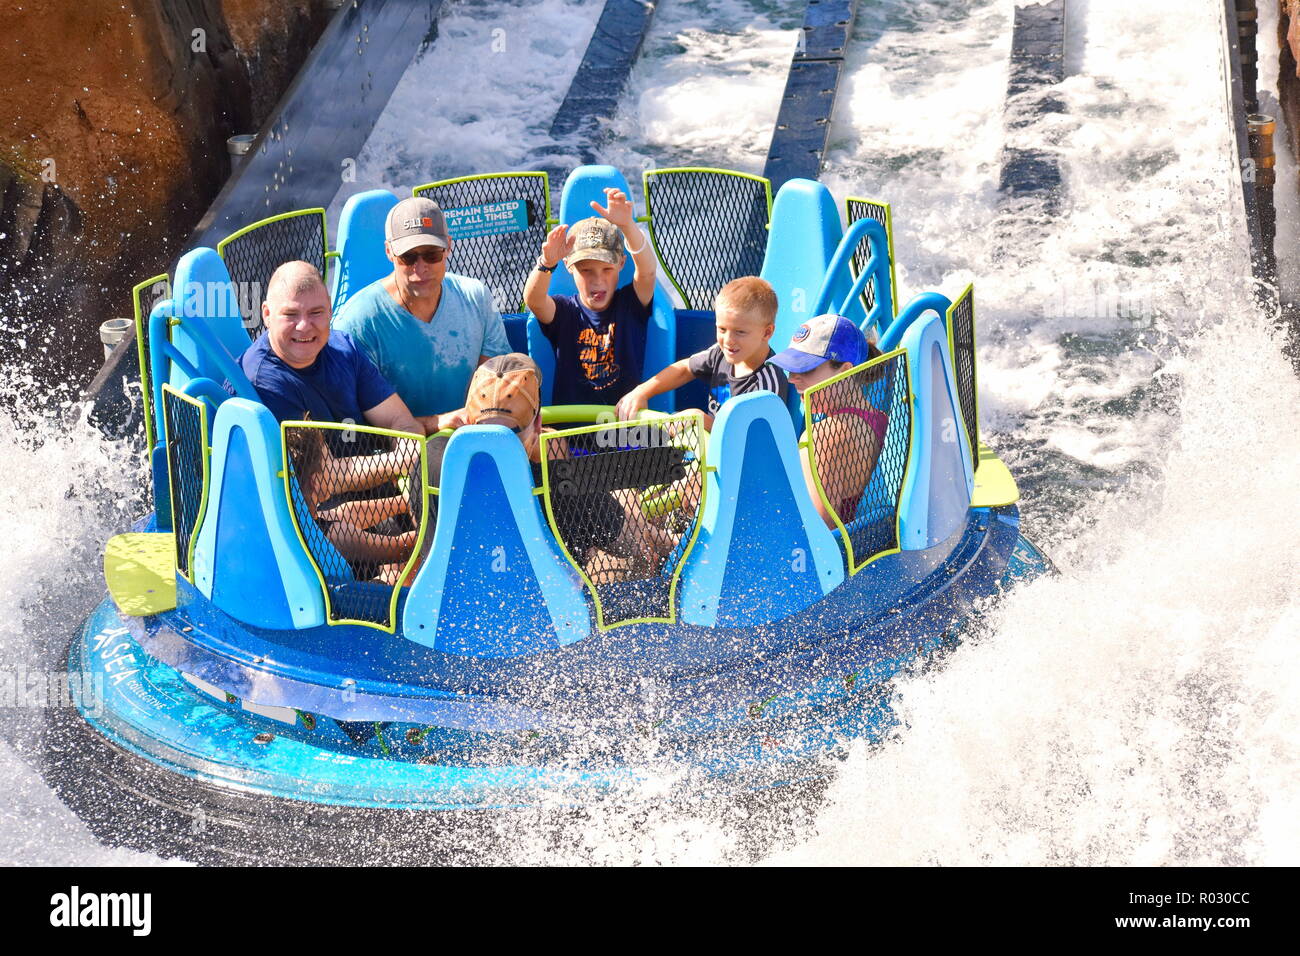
x,y
595,238
416,222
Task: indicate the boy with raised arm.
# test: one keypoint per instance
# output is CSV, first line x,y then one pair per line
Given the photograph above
x,y
599,334
745,314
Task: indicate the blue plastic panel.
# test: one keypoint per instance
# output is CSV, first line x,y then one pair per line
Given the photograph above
x,y
763,552
494,584
921,304
247,542
940,474
360,242
202,290
804,233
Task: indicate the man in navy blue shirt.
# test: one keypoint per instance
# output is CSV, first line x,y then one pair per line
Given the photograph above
x,y
301,369
598,334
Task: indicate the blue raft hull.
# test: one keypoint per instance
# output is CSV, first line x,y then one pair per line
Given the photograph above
x,y
639,713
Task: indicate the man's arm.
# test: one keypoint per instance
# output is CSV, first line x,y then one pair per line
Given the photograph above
x,y
536,296
393,414
621,214
432,424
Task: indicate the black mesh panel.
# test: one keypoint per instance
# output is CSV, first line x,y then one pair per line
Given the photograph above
x,y
503,261
624,502
254,256
961,320
866,209
187,448
861,475
356,498
708,227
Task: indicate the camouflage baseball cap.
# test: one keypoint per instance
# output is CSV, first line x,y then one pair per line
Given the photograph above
x,y
505,390
595,238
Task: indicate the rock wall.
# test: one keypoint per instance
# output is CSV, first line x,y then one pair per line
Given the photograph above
x,y
113,122
1288,78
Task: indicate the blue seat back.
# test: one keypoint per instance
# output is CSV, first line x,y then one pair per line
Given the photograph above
x,y
802,238
203,292
360,243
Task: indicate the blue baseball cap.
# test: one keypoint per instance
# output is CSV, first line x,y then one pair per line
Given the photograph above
x,y
825,337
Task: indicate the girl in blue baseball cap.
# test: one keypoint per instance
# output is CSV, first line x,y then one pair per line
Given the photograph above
x,y
847,430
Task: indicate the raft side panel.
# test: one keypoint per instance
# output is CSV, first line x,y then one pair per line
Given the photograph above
x,y
495,583
247,542
940,475
763,552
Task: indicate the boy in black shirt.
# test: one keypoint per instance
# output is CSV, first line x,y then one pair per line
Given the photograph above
x,y
599,334
745,313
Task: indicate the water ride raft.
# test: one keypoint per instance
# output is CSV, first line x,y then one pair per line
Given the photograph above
x,y
241,669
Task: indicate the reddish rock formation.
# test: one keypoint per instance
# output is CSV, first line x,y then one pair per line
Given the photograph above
x,y
1288,78
113,121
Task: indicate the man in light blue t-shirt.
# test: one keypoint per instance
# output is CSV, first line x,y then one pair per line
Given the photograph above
x,y
426,329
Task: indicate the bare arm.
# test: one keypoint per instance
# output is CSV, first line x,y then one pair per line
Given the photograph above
x,y
357,545
558,244
355,472
367,512
432,424
621,214
393,414
674,376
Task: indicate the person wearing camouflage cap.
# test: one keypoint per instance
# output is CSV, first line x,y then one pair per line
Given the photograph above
x,y
598,334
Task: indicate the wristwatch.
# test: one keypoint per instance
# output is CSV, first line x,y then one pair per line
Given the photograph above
x,y
541,265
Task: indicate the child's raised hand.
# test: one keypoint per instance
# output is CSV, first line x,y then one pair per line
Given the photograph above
x,y
619,211
558,244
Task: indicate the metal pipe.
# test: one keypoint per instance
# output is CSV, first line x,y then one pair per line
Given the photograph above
x,y
1260,128
112,332
238,147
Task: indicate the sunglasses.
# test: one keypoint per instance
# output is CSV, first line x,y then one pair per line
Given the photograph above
x,y
433,258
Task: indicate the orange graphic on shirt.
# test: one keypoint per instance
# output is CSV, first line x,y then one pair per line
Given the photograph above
x,y
596,357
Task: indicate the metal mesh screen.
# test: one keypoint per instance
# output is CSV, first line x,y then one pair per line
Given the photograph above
x,y
501,260
859,430
357,498
961,340
252,254
186,423
624,501
709,227
144,297
867,209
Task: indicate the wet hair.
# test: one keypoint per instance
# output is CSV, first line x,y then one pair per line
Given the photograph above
x,y
750,295
306,447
